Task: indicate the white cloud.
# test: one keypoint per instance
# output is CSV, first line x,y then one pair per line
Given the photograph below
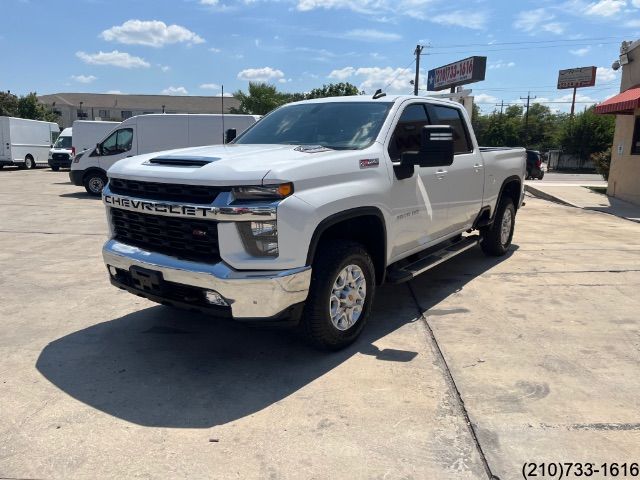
x,y
580,52
605,8
210,86
371,35
175,91
371,78
635,3
501,64
164,68
538,20
83,78
226,94
342,73
485,98
114,58
215,50
264,74
460,18
152,33
114,92
208,2
633,23
605,74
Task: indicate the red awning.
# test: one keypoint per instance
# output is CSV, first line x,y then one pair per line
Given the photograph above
x,y
623,103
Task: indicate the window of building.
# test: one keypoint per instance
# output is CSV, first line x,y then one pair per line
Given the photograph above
x,y
406,136
442,115
126,114
103,113
81,114
635,143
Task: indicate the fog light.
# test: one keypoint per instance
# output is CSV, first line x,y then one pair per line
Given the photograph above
x,y
113,271
215,298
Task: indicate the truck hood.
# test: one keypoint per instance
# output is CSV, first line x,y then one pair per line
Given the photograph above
x,y
228,164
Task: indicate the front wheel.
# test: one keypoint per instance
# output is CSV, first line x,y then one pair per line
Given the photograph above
x,y
55,169
496,238
340,295
94,182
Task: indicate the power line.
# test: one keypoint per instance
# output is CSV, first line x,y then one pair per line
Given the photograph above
x,y
400,71
557,40
518,48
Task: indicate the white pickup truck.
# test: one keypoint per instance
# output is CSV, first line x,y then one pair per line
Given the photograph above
x,y
301,217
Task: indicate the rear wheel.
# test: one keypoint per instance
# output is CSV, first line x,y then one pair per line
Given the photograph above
x,y
340,295
496,238
29,162
94,182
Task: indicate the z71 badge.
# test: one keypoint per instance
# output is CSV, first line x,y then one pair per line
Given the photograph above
x,y
369,163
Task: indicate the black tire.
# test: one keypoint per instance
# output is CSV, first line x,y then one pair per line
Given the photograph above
x,y
55,169
29,163
541,176
94,182
493,242
316,324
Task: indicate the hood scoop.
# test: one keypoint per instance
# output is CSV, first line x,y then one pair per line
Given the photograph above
x,y
311,149
181,161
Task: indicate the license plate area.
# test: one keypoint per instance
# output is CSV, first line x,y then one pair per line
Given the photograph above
x,y
146,280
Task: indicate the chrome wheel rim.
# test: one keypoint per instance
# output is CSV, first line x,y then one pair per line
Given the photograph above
x,y
96,184
505,228
347,297
29,163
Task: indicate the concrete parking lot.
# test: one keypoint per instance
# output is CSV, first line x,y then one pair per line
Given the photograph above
x,y
467,372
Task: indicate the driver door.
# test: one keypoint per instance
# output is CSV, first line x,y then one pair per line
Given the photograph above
x,y
419,203
120,144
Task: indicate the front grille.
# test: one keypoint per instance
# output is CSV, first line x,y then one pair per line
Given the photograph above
x,y
164,191
60,157
188,239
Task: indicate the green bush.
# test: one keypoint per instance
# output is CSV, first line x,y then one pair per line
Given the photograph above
x,y
602,160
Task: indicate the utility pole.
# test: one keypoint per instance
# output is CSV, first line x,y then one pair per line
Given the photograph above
x,y
417,53
573,102
501,105
224,136
528,98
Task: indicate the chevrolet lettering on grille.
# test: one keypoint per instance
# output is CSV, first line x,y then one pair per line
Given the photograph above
x,y
160,208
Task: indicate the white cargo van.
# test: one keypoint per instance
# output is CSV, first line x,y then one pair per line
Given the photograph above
x,y
151,133
60,154
26,143
86,133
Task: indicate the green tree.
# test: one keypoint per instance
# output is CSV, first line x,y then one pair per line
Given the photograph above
x,y
8,104
341,89
587,133
260,100
29,107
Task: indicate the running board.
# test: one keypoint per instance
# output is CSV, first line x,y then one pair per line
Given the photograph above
x,y
407,272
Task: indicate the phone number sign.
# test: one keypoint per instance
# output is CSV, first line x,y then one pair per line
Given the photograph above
x,y
465,71
577,77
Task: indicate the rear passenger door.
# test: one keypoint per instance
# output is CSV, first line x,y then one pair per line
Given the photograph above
x,y
464,179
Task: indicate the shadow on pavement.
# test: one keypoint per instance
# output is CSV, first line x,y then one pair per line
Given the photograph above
x,y
81,195
168,368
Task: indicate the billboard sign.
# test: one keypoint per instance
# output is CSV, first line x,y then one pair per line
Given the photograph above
x,y
465,71
577,77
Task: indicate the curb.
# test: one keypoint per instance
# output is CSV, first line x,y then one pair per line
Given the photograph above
x,y
547,196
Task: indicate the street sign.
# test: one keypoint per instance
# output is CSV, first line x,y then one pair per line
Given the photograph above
x,y
465,71
577,77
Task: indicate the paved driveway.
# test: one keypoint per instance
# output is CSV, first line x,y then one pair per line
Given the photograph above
x,y
538,349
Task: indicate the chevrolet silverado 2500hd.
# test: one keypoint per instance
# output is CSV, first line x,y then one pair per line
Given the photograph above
x,y
305,213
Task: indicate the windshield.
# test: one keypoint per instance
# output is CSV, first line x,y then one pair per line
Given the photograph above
x,y
338,125
63,142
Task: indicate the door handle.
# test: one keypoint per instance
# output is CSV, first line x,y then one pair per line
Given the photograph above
x,y
440,174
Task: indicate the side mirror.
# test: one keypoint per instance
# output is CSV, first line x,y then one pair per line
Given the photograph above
x,y
230,135
98,149
436,147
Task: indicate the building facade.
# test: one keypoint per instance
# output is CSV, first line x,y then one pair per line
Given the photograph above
x,y
119,107
624,175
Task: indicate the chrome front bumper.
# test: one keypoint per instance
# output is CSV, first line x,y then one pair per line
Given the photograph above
x,y
251,294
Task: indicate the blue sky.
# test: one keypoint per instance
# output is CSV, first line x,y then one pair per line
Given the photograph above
x,y
195,46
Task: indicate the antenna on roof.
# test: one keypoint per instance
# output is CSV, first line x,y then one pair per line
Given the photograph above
x,y
379,94
222,101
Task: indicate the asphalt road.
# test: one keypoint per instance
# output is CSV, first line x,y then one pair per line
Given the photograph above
x,y
537,350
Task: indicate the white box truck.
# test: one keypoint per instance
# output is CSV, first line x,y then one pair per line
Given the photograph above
x,y
151,133
86,133
26,143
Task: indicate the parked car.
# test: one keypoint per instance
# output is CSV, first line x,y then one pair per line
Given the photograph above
x,y
150,133
60,153
534,165
307,212
86,133
26,143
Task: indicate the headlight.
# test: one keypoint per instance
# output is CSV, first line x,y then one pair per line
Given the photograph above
x,y
50,155
260,238
77,158
268,192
